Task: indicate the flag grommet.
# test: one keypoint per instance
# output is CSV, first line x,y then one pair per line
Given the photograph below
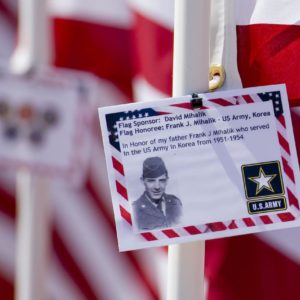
x,y
216,76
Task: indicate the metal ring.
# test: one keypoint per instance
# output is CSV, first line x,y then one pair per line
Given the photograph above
x,y
216,77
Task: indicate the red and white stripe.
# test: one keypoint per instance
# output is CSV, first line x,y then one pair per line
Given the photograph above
x,y
107,52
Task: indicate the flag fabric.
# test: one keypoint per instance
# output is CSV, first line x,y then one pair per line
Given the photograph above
x,y
85,262
267,265
128,45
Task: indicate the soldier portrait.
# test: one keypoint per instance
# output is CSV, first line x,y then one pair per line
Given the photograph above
x,y
156,209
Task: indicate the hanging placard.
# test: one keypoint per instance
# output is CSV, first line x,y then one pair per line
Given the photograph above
x,y
45,120
201,167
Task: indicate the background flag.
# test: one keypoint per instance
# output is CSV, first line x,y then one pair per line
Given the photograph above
x,y
128,45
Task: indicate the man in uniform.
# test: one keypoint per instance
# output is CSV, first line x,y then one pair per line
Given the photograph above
x,y
155,209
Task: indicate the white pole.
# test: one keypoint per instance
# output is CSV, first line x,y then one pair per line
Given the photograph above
x,y
33,36
32,198
190,74
32,236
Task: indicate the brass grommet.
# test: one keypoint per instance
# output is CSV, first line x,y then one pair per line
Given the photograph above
x,y
216,77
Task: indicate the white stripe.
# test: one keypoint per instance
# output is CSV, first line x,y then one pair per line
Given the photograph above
x,y
82,228
202,228
281,129
154,264
275,218
116,154
113,13
120,178
285,155
295,212
267,12
257,221
159,234
159,11
144,91
290,185
181,231
240,223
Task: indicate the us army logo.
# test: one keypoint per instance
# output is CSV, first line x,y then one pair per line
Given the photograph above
x,y
264,187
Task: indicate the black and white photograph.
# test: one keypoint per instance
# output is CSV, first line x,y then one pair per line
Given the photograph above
x,y
156,208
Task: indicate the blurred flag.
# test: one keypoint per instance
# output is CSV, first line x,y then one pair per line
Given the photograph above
x,y
128,45
263,266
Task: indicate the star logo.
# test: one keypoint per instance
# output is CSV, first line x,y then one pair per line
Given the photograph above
x,y
263,181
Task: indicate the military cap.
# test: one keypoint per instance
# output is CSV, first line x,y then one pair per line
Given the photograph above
x,y
154,167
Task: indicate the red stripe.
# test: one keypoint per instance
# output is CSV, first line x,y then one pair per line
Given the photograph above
x,y
248,99
266,219
121,190
118,166
292,199
149,236
186,105
153,45
217,226
192,230
164,113
283,143
6,288
7,204
289,172
266,55
232,225
221,101
249,222
8,14
69,263
125,215
281,120
285,217
102,50
170,233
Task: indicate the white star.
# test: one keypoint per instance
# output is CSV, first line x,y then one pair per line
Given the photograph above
x,y
263,181
146,114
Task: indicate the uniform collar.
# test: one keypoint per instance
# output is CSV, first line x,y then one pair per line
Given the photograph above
x,y
155,203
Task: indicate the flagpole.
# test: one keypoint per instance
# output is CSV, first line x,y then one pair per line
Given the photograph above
x,y
190,74
31,190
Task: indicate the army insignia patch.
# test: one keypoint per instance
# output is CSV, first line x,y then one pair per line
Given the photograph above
x,y
264,187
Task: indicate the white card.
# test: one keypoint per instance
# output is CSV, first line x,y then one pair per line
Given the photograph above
x,y
180,174
44,118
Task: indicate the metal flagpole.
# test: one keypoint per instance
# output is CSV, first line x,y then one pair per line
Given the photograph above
x,y
190,75
32,198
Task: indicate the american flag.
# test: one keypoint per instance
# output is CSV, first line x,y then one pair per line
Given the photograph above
x,y
112,120
128,45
